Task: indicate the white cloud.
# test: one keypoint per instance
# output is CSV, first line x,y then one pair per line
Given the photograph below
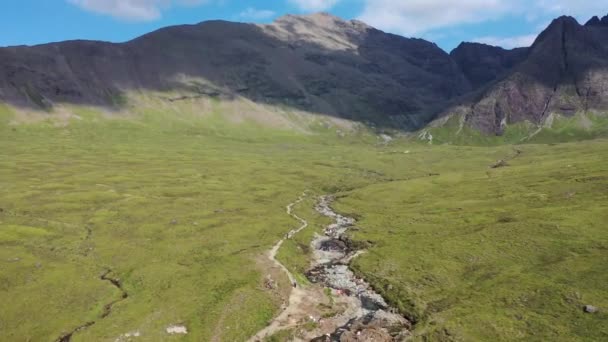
x,y
577,8
137,10
256,14
314,5
417,17
508,42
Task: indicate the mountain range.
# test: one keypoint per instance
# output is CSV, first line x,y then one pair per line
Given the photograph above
x,y
564,72
322,64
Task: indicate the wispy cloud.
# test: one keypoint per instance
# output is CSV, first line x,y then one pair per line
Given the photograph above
x,y
417,17
576,8
136,10
420,16
508,42
256,14
314,5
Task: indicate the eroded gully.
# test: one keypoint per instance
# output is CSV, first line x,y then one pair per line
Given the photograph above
x,y
107,308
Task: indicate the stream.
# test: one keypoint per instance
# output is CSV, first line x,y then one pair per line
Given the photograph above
x,y
107,308
364,314
372,318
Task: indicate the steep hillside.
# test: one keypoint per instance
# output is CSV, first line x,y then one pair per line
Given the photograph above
x,y
563,77
318,63
483,63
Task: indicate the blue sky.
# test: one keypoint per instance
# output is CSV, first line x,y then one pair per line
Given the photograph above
x,y
508,23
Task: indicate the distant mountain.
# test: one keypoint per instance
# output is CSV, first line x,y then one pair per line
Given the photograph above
x,y
483,63
318,63
322,64
565,72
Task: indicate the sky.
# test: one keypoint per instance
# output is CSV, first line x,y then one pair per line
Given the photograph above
x,y
506,23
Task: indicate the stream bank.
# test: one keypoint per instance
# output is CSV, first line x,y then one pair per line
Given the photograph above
x,y
372,318
338,306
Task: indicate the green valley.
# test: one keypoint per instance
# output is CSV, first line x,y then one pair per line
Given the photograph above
x,y
180,213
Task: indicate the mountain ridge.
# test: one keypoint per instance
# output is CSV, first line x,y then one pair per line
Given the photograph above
x,y
317,63
323,64
563,73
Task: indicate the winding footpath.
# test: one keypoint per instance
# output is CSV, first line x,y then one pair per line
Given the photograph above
x,y
364,315
297,294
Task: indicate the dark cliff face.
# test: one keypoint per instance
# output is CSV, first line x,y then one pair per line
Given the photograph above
x,y
317,63
596,21
483,63
564,72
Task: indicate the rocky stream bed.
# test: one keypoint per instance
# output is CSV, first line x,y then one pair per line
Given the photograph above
x,y
358,312
371,317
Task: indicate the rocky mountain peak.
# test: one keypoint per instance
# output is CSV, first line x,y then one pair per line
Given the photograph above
x,y
596,21
318,18
322,29
482,63
558,25
322,19
564,72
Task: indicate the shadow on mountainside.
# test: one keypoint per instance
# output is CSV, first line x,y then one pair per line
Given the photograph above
x,y
322,64
315,63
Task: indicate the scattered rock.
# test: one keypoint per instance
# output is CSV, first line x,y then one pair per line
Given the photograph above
x,y
499,164
367,334
174,221
269,283
133,334
333,245
426,136
385,138
384,318
128,336
590,309
14,260
177,329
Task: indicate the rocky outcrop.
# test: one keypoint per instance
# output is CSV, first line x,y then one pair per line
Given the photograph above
x,y
318,63
564,72
596,21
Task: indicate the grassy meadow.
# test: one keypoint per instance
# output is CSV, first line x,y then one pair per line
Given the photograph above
x,y
512,253
180,209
